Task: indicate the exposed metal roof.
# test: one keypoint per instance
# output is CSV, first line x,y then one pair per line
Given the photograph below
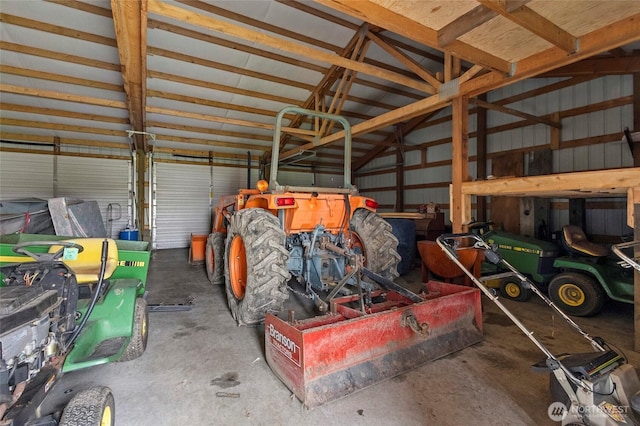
x,y
207,78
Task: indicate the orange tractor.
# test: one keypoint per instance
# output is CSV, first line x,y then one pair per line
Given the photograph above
x,y
323,237
343,256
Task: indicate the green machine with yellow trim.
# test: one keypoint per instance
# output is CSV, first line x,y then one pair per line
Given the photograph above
x,y
66,304
579,276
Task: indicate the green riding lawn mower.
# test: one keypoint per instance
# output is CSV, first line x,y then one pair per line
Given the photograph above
x,y
579,276
65,305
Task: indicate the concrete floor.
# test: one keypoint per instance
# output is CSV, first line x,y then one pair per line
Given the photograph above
x,y
193,355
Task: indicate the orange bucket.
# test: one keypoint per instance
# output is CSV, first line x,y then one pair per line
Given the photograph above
x,y
197,248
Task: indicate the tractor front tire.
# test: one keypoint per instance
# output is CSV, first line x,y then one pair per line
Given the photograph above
x,y
91,407
214,258
138,343
379,246
511,288
255,262
577,294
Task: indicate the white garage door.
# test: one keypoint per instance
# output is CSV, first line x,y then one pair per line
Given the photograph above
x,y
184,196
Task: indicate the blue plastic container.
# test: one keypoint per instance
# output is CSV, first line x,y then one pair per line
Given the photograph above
x,y
129,234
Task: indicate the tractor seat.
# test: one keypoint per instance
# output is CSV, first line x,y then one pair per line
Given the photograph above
x,y
86,266
576,242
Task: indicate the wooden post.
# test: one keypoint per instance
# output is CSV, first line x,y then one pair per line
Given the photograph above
x,y
460,204
481,157
399,179
636,275
555,132
635,150
140,196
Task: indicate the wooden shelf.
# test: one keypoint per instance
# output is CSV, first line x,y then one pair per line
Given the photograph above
x,y
589,184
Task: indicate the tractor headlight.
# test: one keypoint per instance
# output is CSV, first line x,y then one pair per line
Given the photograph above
x,y
262,185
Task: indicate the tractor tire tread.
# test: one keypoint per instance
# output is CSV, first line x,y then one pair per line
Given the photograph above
x,y
138,343
87,407
525,293
595,296
381,246
214,258
267,273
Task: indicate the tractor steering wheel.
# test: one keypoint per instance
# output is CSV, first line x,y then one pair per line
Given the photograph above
x,y
45,257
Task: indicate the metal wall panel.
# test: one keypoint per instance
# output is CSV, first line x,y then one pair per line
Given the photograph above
x,y
99,179
46,176
333,180
185,194
25,176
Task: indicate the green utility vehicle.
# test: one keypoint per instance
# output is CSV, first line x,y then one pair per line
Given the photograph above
x,y
579,276
66,304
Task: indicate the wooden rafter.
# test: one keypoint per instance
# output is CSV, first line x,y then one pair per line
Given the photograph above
x,y
465,23
130,23
530,20
43,75
598,41
599,66
63,57
50,94
419,70
170,11
376,14
61,113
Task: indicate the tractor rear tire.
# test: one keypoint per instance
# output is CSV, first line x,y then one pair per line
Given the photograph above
x,y
379,246
255,260
577,294
511,288
214,258
91,407
138,343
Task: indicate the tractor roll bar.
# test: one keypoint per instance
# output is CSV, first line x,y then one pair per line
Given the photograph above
x,y
275,150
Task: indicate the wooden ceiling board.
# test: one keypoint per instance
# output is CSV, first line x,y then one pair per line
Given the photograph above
x,y
430,13
580,17
505,39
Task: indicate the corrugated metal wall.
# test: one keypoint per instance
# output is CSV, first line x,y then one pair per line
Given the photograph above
x,y
185,196
99,179
25,175
591,157
46,176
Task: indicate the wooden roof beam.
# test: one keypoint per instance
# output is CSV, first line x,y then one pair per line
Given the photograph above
x,y
218,25
537,24
608,65
378,15
465,23
224,120
59,96
615,34
130,22
406,60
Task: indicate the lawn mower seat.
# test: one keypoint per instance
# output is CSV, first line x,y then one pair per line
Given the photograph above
x,y
575,242
86,266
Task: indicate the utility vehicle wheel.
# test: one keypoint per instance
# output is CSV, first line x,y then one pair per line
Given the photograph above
x,y
92,407
138,342
214,258
372,235
511,288
255,262
577,294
